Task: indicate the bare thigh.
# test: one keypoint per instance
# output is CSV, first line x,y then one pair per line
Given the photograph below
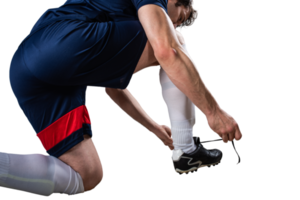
x,y
84,159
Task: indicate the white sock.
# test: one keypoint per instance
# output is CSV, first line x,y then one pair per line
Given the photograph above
x,y
38,174
181,112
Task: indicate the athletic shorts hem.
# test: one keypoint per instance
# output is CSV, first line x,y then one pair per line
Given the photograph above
x,y
71,141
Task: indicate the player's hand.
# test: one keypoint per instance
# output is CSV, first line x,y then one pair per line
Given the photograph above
x,y
224,125
164,134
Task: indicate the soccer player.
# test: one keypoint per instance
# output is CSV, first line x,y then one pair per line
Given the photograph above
x,y
103,43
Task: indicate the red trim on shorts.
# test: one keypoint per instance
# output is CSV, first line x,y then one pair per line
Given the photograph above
x,y
64,126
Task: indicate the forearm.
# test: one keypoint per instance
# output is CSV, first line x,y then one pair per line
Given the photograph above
x,y
183,73
125,100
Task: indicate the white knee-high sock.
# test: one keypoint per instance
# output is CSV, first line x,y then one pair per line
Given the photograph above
x,y
38,174
181,112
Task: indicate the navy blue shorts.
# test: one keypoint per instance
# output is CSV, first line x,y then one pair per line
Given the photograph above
x,y
52,68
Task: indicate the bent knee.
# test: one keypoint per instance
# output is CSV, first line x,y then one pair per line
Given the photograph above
x,y
91,178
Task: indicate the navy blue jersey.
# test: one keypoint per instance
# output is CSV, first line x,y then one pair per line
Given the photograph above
x,y
116,42
115,10
82,43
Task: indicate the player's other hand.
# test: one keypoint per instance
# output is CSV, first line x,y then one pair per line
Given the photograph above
x,y
224,125
164,134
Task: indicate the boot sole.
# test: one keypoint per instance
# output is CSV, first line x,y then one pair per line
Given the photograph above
x,y
193,169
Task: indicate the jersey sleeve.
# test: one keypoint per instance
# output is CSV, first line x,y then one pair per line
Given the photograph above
x,y
140,3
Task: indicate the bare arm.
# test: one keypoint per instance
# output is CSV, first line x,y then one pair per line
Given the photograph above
x,y
129,105
182,71
185,75
187,79
173,58
158,28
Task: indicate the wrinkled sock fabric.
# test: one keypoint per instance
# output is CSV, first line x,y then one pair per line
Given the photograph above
x,y
38,174
181,112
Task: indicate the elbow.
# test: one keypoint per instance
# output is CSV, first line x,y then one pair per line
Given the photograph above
x,y
164,54
165,51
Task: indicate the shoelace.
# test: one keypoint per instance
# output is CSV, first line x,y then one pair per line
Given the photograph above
x,y
219,140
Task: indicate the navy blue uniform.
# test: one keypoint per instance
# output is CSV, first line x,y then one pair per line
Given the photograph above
x,y
82,43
